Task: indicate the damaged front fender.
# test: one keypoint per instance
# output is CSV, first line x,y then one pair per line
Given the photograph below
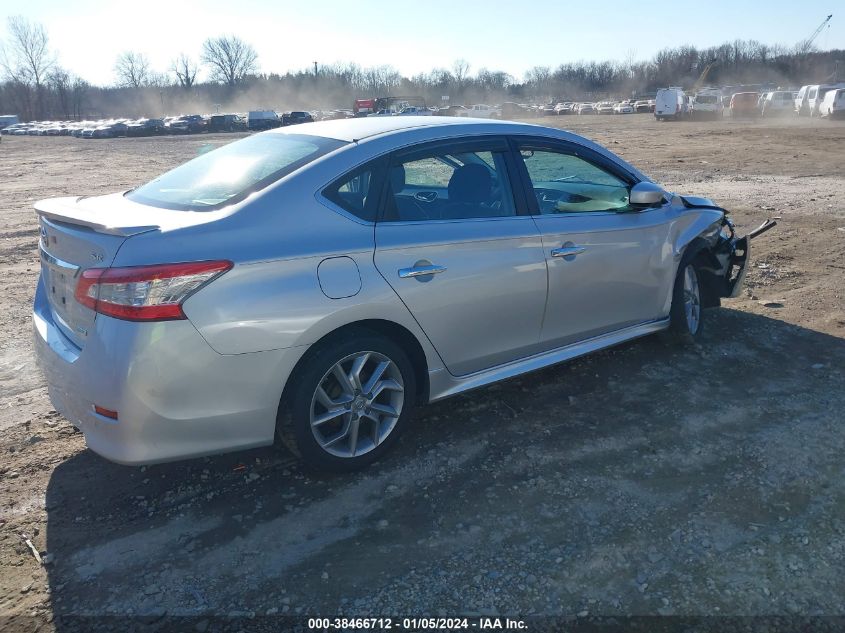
x,y
722,266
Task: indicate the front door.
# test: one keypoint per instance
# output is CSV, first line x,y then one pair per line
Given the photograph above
x,y
609,264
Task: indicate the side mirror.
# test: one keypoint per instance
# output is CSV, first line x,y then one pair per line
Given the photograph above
x,y
645,194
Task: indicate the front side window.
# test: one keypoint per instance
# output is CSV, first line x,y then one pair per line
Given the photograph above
x,y
449,185
565,183
232,172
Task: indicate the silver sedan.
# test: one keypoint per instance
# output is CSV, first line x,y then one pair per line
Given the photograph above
x,y
315,283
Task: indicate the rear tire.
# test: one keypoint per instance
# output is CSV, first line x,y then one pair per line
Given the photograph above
x,y
685,315
350,401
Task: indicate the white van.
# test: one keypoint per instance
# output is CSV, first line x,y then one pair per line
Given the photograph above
x,y
815,94
777,103
707,104
670,103
800,103
833,104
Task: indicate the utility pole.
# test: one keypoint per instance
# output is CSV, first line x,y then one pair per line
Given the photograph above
x,y
315,69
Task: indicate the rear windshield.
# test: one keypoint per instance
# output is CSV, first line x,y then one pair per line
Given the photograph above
x,y
230,173
706,98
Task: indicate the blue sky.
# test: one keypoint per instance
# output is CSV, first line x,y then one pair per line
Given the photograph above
x,y
417,35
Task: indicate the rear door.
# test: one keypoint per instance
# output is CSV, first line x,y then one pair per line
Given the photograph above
x,y
454,246
609,265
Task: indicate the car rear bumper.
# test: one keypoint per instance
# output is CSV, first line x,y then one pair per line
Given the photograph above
x,y
175,396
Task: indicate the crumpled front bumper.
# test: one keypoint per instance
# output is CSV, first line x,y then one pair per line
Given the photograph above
x,y
729,257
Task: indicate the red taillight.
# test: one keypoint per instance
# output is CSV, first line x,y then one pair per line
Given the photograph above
x,y
145,293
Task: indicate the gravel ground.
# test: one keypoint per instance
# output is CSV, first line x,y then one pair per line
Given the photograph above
x,y
644,480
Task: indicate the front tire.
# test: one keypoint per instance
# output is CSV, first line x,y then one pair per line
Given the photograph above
x,y
350,402
685,315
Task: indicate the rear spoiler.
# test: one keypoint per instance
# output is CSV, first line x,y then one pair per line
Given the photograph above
x,y
69,211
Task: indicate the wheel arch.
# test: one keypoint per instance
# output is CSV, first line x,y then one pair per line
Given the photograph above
x,y
699,251
397,333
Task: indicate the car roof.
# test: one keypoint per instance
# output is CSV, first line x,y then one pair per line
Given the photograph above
x,y
359,128
377,130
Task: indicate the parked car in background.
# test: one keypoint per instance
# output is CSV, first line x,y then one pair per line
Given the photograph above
x,y
146,127
454,110
706,104
777,103
188,124
110,130
642,106
586,108
512,110
670,104
800,107
604,107
623,107
744,105
56,129
833,104
195,315
415,111
257,120
483,111
296,117
226,123
816,95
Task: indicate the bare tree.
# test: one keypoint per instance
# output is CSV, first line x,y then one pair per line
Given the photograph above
x,y
132,69
185,70
27,60
158,80
79,93
59,80
230,58
460,68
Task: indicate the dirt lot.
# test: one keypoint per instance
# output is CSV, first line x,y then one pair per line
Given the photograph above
x,y
648,479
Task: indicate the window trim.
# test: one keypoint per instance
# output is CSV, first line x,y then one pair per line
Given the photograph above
x,y
481,143
571,149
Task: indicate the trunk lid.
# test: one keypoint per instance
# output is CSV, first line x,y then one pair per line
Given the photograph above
x,y
78,233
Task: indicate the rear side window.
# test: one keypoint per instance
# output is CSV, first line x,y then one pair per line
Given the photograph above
x,y
358,192
232,172
461,182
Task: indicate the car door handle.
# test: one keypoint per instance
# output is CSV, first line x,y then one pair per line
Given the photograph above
x,y
568,251
419,271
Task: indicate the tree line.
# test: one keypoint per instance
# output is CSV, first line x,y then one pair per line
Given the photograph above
x,y
35,86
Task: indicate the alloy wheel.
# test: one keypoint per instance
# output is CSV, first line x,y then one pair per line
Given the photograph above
x,y
356,404
692,299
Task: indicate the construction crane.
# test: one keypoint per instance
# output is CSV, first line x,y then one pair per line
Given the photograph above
x,y
804,47
703,76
